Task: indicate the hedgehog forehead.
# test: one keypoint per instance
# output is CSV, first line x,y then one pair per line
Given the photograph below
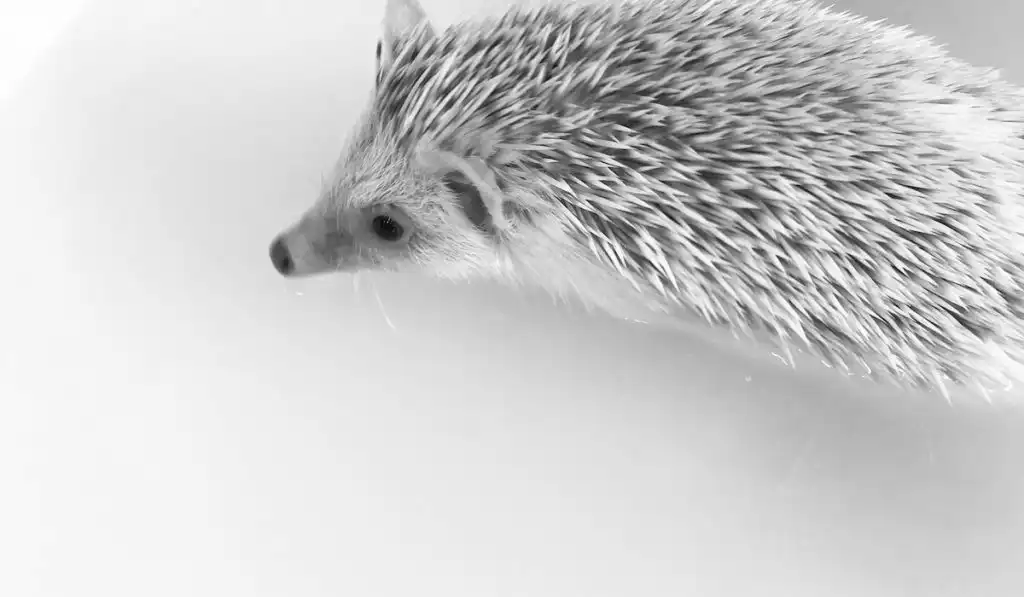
x,y
372,183
371,172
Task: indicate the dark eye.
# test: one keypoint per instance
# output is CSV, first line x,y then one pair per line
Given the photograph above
x,y
380,49
387,229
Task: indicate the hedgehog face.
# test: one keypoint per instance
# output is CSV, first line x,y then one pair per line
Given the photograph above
x,y
381,214
385,209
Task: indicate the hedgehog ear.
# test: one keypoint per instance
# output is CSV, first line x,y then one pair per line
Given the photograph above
x,y
402,17
469,199
472,184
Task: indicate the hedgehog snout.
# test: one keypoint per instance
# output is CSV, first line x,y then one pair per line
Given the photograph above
x,y
281,257
312,246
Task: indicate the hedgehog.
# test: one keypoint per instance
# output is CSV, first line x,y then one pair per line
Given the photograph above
x,y
777,169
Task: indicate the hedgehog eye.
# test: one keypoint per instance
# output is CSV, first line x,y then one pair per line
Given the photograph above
x,y
387,229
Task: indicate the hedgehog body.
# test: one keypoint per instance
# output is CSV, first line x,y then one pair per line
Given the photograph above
x,y
767,166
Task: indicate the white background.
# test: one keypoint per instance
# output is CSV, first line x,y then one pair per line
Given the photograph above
x,y
175,419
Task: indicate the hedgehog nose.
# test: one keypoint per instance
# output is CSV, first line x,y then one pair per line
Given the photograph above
x,y
281,257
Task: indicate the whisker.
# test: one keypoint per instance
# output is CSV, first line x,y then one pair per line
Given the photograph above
x,y
383,311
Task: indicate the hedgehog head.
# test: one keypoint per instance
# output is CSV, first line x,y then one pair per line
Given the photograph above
x,y
395,201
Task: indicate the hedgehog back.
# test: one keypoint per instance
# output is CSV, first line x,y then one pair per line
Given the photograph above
x,y
768,165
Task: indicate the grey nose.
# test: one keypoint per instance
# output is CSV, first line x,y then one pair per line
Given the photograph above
x,y
281,257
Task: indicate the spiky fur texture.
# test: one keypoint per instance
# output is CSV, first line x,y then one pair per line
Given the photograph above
x,y
769,165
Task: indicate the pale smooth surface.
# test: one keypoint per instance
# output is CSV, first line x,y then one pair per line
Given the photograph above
x,y
177,420
27,31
